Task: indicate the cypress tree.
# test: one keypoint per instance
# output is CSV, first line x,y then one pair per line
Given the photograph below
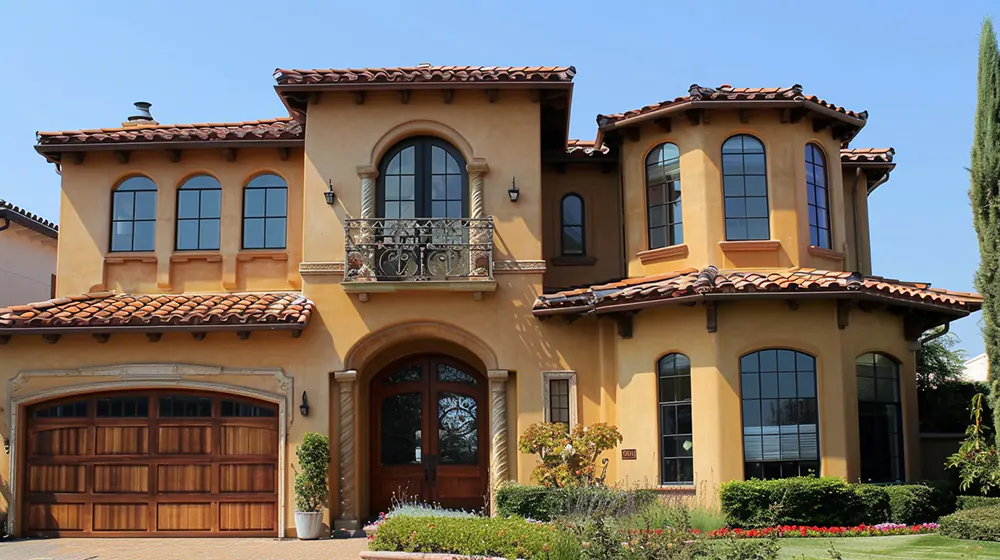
x,y
985,195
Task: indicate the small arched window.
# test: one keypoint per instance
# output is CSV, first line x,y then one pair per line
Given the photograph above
x,y
663,196
880,419
571,225
199,212
265,212
744,179
676,443
780,414
818,196
133,215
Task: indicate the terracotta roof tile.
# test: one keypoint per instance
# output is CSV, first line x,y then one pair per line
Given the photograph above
x,y
585,148
424,74
110,309
729,93
693,282
27,219
867,155
284,128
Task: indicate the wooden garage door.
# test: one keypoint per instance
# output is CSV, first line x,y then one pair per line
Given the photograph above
x,y
151,463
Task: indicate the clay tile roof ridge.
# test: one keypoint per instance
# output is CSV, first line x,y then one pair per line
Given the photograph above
x,y
5,205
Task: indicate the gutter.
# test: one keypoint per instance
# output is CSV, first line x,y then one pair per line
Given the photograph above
x,y
929,337
126,329
11,216
6,224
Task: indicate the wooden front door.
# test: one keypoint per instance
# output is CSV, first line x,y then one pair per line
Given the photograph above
x,y
429,427
151,463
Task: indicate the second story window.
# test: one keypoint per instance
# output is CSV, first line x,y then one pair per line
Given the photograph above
x,y
819,199
572,229
133,215
265,212
744,183
663,196
422,177
199,213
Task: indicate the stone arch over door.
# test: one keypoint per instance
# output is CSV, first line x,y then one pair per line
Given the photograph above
x,y
367,350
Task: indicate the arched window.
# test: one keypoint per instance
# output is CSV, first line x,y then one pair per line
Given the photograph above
x,y
780,416
663,196
133,215
744,178
676,443
422,177
880,419
265,212
199,211
818,196
571,226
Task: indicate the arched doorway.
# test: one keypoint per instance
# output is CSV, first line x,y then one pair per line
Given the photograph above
x,y
429,422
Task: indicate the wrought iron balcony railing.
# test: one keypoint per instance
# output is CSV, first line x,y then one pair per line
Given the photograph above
x,y
420,249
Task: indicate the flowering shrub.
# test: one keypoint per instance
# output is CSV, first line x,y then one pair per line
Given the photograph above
x,y
566,458
784,531
475,536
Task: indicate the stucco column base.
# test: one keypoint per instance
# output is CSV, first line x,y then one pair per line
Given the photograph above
x,y
499,468
347,487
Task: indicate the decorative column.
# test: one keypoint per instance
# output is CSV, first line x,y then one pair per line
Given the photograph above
x,y
347,489
366,237
368,174
478,259
499,471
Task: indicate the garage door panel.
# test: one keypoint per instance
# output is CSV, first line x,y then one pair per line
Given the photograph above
x,y
184,517
186,440
60,441
188,479
247,516
57,478
122,440
248,478
121,479
249,440
56,517
121,517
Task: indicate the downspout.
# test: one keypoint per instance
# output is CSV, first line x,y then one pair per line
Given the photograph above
x,y
924,339
854,214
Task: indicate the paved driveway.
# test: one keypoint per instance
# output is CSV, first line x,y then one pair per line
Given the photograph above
x,y
181,549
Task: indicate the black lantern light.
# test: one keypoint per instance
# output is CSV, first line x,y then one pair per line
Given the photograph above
x,y
512,192
330,197
304,407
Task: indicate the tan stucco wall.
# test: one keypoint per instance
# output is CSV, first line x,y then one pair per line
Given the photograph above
x,y
27,263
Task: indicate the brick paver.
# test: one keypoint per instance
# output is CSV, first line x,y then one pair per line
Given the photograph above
x,y
182,549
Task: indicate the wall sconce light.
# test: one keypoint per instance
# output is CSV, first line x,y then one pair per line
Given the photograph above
x,y
304,407
330,197
6,446
512,192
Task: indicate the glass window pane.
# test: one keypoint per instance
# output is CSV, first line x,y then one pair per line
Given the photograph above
x,y
187,204
253,233
752,145
392,188
401,439
753,164
572,210
806,384
201,182
757,228
393,167
736,208
458,429
275,233
734,185
453,166
768,360
121,236
211,204
454,209
209,235
668,420
438,160
768,385
262,181
749,363
732,164
406,159
736,229
756,185
144,236
751,386
187,234
657,238
786,360
684,419
124,205
439,189
454,187
276,202
756,207
733,145
786,384
406,191
145,205
751,413
137,184
253,203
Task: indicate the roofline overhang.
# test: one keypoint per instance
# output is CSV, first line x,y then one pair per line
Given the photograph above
x,y
142,329
48,150
867,166
393,86
22,220
723,104
696,298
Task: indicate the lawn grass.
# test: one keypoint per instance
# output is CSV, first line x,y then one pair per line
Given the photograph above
x,y
909,547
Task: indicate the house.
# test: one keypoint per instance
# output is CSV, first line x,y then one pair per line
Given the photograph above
x,y
27,255
977,369
420,263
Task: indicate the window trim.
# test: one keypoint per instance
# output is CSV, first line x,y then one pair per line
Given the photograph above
x,y
767,184
569,375
243,213
112,220
899,414
582,225
659,421
178,219
826,203
671,241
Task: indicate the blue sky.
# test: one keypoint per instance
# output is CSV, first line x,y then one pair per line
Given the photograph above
x,y
82,64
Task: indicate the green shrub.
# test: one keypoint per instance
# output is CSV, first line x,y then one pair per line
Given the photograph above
x,y
916,503
791,501
981,524
973,502
311,490
547,503
510,537
875,499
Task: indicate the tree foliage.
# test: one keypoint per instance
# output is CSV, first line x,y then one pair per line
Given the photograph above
x,y
985,196
566,457
311,490
939,362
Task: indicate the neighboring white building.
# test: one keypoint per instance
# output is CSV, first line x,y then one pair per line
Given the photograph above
x,y
27,256
977,369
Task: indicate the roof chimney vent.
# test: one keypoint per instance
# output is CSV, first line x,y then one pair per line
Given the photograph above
x,y
424,65
140,115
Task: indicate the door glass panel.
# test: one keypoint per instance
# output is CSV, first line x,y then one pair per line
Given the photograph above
x,y
123,407
451,374
407,374
401,429
185,407
245,410
76,409
458,429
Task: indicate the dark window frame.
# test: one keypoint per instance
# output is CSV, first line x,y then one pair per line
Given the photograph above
x,y
243,232
566,410
422,176
133,220
673,408
673,209
818,202
894,453
201,218
782,466
744,198
563,226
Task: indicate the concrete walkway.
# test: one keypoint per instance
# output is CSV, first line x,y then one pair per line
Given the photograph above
x,y
181,549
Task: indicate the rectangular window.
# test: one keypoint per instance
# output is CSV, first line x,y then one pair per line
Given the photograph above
x,y
676,432
559,392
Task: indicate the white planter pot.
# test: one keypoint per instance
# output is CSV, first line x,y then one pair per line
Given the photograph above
x,y
309,525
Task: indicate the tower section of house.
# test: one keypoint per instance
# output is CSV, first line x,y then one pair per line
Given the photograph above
x,y
28,245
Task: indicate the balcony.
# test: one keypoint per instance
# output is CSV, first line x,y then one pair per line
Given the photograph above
x,y
390,255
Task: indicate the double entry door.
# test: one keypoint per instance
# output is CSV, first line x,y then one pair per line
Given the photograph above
x,y
429,419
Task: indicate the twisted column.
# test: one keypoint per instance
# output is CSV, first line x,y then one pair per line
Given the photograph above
x,y
366,234
477,257
499,470
347,487
368,174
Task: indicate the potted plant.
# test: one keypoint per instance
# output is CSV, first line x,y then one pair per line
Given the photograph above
x,y
311,489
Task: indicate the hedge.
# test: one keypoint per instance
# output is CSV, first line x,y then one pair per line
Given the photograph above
x,y
981,524
545,504
510,537
876,502
973,502
917,503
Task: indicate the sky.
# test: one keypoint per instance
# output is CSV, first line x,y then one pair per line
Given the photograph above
x,y
912,65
